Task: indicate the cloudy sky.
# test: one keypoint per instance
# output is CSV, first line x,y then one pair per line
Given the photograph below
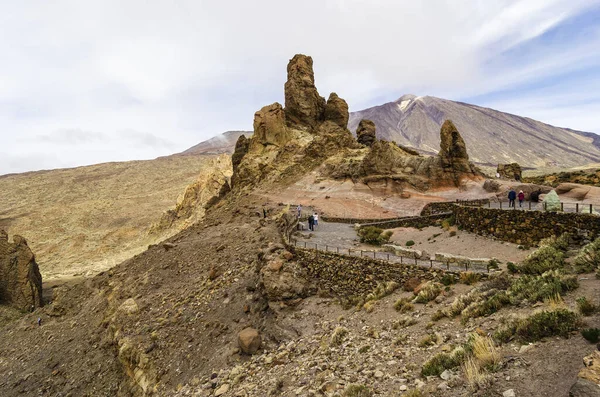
x,y
85,81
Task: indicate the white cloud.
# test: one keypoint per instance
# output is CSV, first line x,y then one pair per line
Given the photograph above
x,y
180,72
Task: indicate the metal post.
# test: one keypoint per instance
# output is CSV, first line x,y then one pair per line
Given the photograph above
x,y
388,257
466,266
401,259
430,263
337,249
305,244
500,204
361,253
326,248
545,206
530,204
415,260
448,265
562,208
490,204
577,207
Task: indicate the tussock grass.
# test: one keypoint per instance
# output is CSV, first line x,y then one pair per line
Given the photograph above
x,y
357,391
428,292
403,305
338,335
428,340
476,376
469,278
588,258
545,258
585,307
555,301
486,352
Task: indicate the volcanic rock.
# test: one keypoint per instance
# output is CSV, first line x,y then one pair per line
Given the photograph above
x,y
453,151
20,278
269,128
509,171
249,340
336,110
304,107
365,133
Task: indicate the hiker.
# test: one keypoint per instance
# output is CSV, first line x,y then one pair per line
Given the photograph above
x,y
497,175
299,209
521,197
517,177
512,195
316,219
311,223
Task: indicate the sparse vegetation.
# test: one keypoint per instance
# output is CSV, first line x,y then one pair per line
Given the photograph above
x,y
493,264
592,335
559,322
585,307
410,243
403,305
475,375
404,322
428,340
443,361
450,221
338,336
374,235
485,351
448,279
382,290
357,391
560,243
588,258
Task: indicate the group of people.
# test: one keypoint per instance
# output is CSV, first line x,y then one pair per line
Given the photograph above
x,y
513,196
313,220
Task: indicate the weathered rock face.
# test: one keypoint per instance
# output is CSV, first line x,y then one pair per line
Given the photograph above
x,y
304,107
336,110
453,151
588,379
365,133
282,279
241,149
20,278
509,171
269,128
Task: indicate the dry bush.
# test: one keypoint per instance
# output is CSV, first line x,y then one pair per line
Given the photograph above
x,y
469,278
555,301
588,258
545,258
429,292
403,305
560,243
585,307
558,322
357,391
428,340
486,352
338,336
476,377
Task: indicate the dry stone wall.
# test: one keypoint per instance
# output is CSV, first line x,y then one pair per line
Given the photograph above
x,y
524,227
348,276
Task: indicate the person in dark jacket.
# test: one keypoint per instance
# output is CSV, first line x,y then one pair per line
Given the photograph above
x,y
512,196
311,223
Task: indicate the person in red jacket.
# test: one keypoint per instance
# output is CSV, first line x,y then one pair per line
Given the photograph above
x,y
521,197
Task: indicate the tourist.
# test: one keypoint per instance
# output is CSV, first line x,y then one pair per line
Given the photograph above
x,y
497,175
311,223
512,196
535,196
316,219
299,209
521,197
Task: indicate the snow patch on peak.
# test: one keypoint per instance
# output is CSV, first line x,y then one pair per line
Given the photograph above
x,y
403,104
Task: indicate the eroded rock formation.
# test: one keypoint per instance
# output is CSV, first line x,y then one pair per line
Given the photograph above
x,y
336,110
269,128
304,107
509,171
20,278
453,151
365,133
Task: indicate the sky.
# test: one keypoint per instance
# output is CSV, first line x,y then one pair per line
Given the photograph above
x,y
84,82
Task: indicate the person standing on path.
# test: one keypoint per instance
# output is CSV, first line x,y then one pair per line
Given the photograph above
x,y
512,195
311,223
316,220
521,197
299,209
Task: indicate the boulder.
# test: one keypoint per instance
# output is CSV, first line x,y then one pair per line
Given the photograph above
x,y
551,202
336,110
20,278
365,133
584,388
509,171
269,128
304,107
588,379
249,340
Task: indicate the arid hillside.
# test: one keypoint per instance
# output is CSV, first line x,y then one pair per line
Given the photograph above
x,y
79,221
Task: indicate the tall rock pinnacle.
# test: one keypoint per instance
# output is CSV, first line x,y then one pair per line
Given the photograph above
x,y
304,107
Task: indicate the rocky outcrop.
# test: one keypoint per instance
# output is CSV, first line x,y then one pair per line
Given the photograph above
x,y
336,110
588,379
241,148
269,128
453,151
210,185
20,278
509,171
281,278
304,107
365,133
249,340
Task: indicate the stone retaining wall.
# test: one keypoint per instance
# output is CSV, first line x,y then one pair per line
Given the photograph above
x,y
348,276
416,221
523,227
353,221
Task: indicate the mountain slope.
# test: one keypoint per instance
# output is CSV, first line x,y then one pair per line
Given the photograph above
x,y
491,136
222,143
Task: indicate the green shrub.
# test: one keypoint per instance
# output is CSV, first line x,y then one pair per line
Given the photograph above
x,y
539,288
410,243
494,264
448,279
487,307
543,259
588,258
443,361
450,221
561,243
586,308
373,235
559,322
512,267
469,278
592,335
